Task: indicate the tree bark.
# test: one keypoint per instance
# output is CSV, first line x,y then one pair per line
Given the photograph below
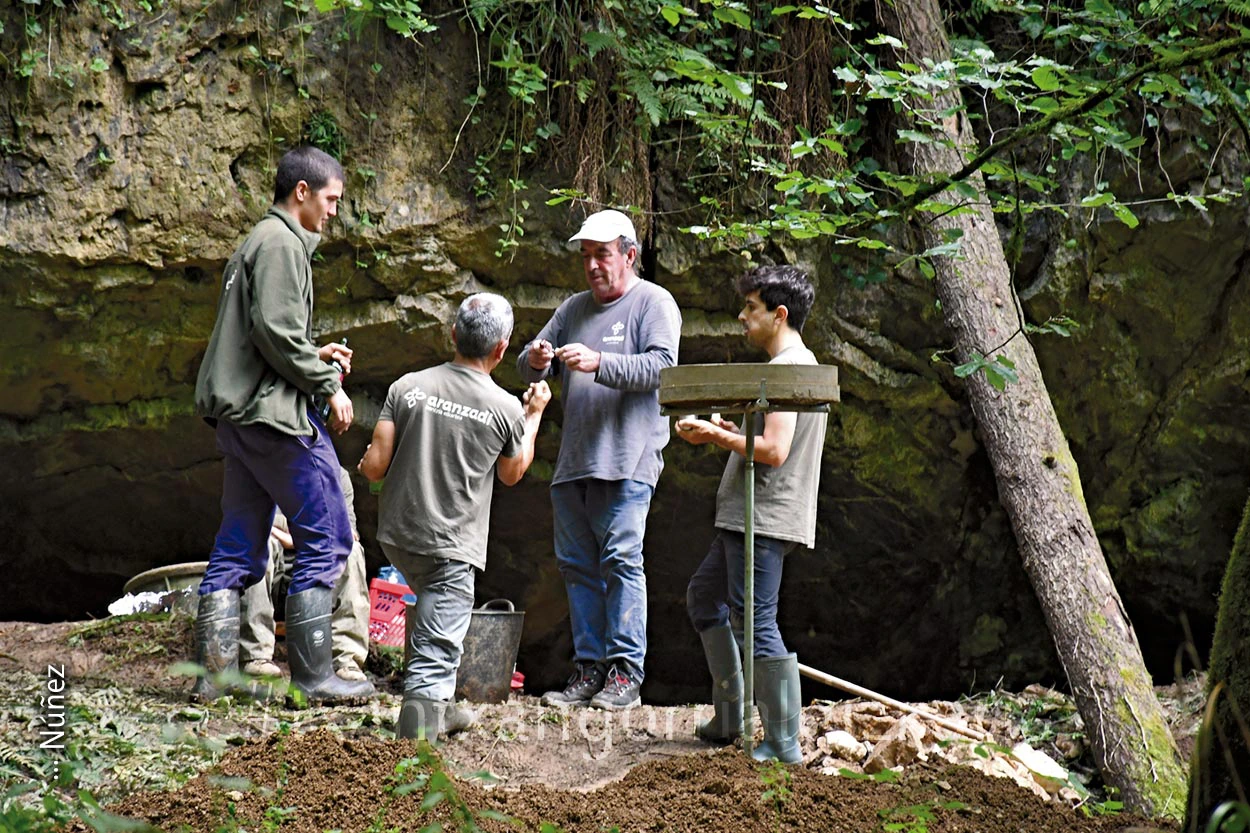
x,y
1221,766
1038,482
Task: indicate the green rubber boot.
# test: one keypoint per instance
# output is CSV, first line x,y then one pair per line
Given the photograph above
x,y
781,708
216,642
725,664
309,654
432,720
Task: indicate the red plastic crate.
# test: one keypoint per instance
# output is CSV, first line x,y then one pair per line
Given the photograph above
x,y
387,617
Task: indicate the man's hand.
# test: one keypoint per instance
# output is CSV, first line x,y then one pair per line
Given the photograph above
x,y
283,537
341,413
697,431
541,354
578,357
536,398
335,352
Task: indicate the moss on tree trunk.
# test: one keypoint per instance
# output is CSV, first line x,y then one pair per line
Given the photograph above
x,y
1038,480
1221,767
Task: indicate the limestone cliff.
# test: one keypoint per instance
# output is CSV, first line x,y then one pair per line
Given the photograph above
x,y
137,155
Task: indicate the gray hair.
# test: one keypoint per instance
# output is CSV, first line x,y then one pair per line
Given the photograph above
x,y
484,320
624,244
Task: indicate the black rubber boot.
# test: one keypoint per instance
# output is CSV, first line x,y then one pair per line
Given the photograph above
x,y
725,664
781,708
216,642
309,654
423,718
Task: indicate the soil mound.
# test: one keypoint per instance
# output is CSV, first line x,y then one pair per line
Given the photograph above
x,y
320,780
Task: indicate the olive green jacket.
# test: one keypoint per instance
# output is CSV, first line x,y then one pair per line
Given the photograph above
x,y
261,366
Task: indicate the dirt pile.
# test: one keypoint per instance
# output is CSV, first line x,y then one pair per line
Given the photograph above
x,y
319,781
133,742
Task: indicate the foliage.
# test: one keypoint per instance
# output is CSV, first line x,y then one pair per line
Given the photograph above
x,y
914,818
776,778
885,776
1219,784
322,131
1230,817
404,17
427,773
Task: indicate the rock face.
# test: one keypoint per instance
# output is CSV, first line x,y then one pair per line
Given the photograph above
x,y
128,180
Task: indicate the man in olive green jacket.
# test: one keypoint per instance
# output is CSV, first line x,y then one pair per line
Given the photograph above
x,y
256,386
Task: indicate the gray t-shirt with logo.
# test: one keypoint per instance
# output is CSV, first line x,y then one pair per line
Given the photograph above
x,y
613,429
785,496
451,426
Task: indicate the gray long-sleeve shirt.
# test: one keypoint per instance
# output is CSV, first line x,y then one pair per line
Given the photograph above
x,y
613,429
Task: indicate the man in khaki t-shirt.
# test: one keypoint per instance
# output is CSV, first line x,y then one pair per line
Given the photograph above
x,y
443,436
776,301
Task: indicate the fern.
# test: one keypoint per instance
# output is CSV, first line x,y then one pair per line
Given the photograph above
x,y
638,85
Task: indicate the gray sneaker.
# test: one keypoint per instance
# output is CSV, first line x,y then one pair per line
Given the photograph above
x,y
620,691
584,683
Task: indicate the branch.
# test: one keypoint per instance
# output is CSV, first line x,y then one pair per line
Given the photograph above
x,y
1227,95
1191,57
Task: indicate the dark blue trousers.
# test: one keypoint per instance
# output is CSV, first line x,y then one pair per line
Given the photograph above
x,y
265,467
716,593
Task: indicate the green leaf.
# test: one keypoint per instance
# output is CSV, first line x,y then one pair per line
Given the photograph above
x,y
887,40
672,15
914,136
1097,200
966,369
495,815
1046,78
1125,215
732,16
596,42
965,189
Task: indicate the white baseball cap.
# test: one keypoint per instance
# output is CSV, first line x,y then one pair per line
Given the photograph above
x,y
606,226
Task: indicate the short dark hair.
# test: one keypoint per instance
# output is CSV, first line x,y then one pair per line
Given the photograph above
x,y
484,320
314,166
780,285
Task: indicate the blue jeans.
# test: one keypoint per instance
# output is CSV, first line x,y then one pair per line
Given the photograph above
x,y
599,527
715,593
264,467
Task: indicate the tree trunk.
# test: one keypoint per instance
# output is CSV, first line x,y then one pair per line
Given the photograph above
x,y
1038,482
1221,767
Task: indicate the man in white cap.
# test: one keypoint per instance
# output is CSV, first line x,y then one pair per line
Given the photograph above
x,y
607,346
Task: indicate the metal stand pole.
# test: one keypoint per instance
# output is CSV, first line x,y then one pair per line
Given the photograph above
x,y
748,592
748,582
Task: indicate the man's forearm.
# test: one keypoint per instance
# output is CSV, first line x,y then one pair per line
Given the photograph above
x,y
527,372
634,373
530,440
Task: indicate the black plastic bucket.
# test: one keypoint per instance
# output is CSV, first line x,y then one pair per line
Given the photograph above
x,y
490,649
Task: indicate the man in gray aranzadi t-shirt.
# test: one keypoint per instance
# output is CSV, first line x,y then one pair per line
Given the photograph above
x,y
607,346
776,301
443,436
